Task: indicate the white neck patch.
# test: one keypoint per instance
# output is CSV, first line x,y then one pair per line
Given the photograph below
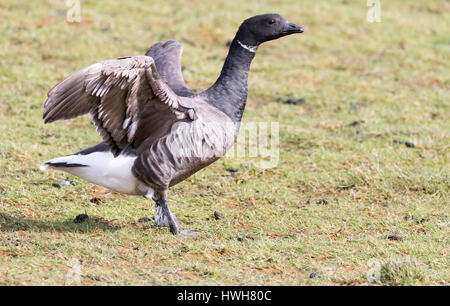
x,y
249,48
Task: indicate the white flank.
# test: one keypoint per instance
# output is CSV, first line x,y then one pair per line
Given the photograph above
x,y
103,169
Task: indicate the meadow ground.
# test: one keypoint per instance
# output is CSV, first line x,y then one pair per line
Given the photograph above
x,y
361,191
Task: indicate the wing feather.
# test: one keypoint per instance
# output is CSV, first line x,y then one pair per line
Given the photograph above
x,y
115,93
167,56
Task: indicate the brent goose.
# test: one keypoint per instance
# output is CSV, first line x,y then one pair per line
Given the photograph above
x,y
155,131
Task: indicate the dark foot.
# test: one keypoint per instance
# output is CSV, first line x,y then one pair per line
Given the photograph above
x,y
174,229
164,217
188,233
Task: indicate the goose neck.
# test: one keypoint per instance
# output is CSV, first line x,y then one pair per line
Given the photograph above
x,y
229,92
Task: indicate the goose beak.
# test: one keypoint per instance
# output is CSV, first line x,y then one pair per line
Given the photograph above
x,y
291,28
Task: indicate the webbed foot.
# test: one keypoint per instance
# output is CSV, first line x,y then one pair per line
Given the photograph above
x,y
188,233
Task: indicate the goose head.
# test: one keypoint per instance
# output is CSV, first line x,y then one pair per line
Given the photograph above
x,y
261,28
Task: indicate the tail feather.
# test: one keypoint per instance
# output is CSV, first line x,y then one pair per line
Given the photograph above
x,y
69,161
64,164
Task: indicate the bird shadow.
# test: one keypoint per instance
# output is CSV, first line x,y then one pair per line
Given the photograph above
x,y
9,223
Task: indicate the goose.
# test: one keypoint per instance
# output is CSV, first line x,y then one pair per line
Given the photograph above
x,y
155,131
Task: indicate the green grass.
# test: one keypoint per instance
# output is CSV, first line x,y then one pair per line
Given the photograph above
x,y
339,190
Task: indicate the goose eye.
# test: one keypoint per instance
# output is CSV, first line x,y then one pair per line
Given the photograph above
x,y
272,21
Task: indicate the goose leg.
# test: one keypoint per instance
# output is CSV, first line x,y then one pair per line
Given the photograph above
x,y
160,218
164,217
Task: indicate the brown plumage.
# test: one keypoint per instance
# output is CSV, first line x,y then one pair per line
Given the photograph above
x,y
115,93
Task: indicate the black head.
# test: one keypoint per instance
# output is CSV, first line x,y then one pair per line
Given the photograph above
x,y
261,28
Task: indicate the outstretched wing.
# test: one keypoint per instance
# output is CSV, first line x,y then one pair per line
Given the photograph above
x,y
167,56
115,93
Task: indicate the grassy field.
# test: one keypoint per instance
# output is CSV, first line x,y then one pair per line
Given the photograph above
x,y
361,191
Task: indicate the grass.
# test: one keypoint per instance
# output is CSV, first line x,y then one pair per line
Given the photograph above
x,y
347,196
